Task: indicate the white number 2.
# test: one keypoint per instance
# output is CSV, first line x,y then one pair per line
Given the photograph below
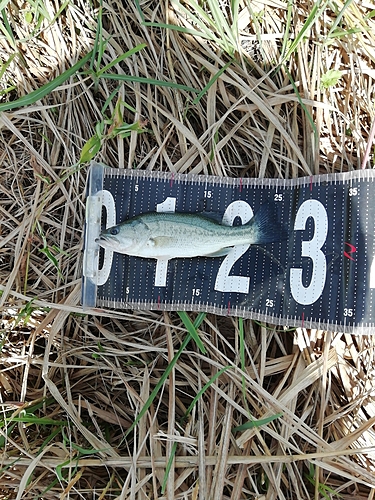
x,y
224,282
312,249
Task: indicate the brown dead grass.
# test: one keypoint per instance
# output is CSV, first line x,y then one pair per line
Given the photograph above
x,y
93,373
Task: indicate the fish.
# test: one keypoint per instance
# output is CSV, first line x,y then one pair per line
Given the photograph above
x,y
171,235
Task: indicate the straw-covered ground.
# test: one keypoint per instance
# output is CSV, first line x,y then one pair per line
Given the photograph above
x,y
119,404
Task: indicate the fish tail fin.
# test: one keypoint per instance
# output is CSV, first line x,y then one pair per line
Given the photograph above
x,y
267,225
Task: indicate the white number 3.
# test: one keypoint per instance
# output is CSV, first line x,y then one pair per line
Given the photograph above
x,y
312,249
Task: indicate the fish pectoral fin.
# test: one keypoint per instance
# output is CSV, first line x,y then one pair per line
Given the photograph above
x,y
161,241
220,253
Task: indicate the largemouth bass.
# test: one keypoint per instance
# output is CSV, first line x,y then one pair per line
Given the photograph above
x,y
183,235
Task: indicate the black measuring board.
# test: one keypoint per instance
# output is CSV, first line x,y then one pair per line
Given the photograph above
x,y
322,276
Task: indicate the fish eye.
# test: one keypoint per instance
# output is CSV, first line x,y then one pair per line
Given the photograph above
x,y
114,231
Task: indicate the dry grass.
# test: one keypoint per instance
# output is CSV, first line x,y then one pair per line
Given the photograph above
x,y
72,383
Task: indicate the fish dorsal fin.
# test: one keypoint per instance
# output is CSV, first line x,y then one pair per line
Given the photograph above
x,y
214,216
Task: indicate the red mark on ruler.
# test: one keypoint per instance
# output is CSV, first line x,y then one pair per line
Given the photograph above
x,y
311,183
240,184
352,249
303,319
158,302
172,179
228,308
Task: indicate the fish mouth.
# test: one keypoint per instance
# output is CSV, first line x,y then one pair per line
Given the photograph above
x,y
103,239
112,243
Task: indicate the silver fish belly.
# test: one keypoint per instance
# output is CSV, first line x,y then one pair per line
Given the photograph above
x,y
181,235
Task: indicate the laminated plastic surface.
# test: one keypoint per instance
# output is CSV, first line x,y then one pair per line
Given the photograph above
x,y
322,276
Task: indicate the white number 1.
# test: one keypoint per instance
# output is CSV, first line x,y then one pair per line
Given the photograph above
x,y
168,205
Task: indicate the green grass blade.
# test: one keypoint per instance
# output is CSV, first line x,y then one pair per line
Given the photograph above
x,y
47,252
235,8
309,117
188,411
3,4
159,385
46,89
208,26
315,13
286,38
84,451
339,17
127,54
109,99
59,469
211,82
165,375
7,433
90,149
199,319
49,438
181,29
256,423
220,22
61,9
242,363
323,488
98,49
206,31
5,66
192,330
205,387
31,419
40,10
197,20
139,9
168,467
6,29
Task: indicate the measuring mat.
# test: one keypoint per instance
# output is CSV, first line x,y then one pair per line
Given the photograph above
x,y
322,276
